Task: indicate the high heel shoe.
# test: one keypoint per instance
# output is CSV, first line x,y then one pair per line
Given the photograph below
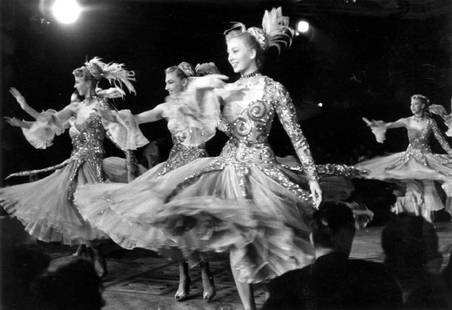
x,y
209,293
208,284
183,291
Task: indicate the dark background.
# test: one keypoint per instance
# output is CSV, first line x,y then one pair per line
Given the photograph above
x,y
362,58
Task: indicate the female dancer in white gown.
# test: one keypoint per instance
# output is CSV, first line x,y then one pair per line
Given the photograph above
x,y
417,167
242,201
189,137
45,207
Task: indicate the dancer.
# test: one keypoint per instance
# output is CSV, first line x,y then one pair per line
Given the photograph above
x,y
103,205
45,207
187,146
247,169
417,167
242,201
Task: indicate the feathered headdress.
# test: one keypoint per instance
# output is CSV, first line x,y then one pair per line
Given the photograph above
x,y
275,30
114,73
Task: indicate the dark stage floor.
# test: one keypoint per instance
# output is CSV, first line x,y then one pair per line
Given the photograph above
x,y
141,280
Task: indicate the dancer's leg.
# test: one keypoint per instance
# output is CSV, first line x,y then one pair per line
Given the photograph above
x,y
208,284
432,200
183,290
245,292
100,264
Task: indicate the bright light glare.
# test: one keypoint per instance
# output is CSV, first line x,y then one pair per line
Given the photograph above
x,y
66,11
320,105
303,26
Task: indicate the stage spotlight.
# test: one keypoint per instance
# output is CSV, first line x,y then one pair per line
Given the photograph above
x,y
66,11
303,26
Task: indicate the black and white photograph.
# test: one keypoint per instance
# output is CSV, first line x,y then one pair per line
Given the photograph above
x,y
225,154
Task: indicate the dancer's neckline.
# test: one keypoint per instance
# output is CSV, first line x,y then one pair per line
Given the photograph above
x,y
255,73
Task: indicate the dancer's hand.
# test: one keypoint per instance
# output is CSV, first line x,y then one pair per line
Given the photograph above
x,y
19,98
316,193
15,122
210,81
370,123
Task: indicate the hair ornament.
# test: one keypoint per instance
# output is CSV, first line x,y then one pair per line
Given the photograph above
x,y
186,68
116,74
275,30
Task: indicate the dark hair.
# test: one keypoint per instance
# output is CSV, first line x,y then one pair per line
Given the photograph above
x,y
250,40
328,220
409,241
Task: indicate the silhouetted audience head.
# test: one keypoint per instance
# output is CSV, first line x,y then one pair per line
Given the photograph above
x,y
333,227
72,284
334,281
20,265
411,243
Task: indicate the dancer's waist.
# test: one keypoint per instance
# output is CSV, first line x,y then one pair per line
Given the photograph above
x,y
250,152
181,146
418,148
86,153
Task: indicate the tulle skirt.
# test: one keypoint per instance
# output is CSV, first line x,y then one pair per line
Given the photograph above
x,y
252,209
116,208
406,165
123,210
423,169
45,206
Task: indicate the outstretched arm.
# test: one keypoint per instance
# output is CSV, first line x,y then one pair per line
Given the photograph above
x,y
23,103
439,137
287,115
15,122
379,127
397,124
151,115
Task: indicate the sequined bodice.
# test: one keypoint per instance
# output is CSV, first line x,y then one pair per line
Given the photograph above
x,y
87,133
250,118
418,149
419,138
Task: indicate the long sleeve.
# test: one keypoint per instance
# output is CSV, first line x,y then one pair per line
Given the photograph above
x,y
192,116
440,138
122,128
379,128
48,124
286,112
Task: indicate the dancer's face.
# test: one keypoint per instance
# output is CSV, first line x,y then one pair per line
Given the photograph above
x,y
417,106
83,86
240,55
174,84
